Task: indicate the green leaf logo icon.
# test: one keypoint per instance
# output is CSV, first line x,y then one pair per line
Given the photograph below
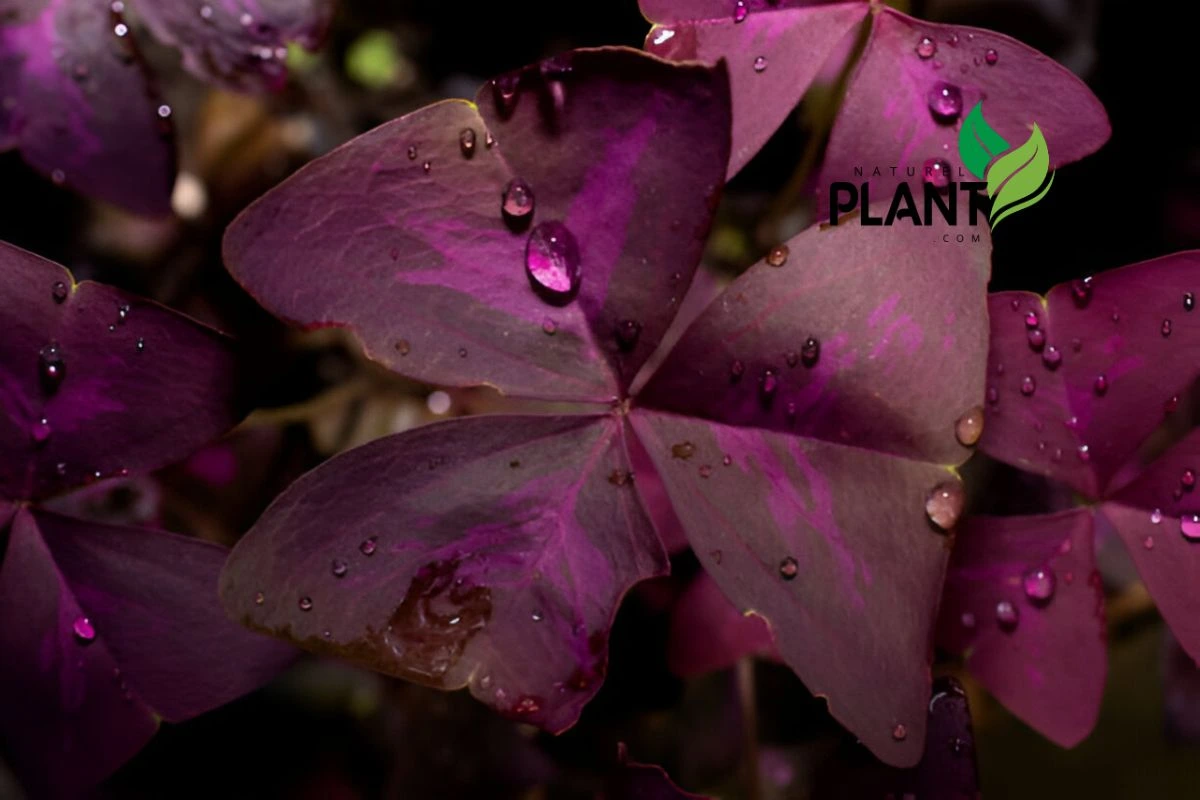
x,y
978,143
1020,177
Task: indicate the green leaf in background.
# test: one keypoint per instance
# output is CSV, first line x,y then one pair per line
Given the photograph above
x,y
978,143
1015,181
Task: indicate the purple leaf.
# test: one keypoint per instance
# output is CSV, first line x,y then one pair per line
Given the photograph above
x,y
627,151
799,465
1024,601
240,45
630,780
95,382
792,41
888,117
709,633
1096,366
495,557
78,104
105,629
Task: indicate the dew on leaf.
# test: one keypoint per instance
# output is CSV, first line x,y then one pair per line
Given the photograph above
x,y
727,459
1081,291
552,262
945,102
628,333
789,568
760,64
1007,615
938,172
52,366
1189,526
1189,301
549,326
41,431
768,385
59,292
810,353
993,395
778,256
740,12
1100,386
1165,330
339,568
1148,543
1031,319
259,598
791,358
1037,339
991,57
504,92
427,166
1156,516
466,142
1028,386
969,427
683,450
1084,453
1051,357
412,152
1187,479
1039,584
620,477
306,603
368,546
737,369
431,627
926,47
84,631
967,620
705,470
899,732
944,504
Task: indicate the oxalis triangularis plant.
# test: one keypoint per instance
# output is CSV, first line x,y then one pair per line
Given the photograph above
x,y
541,241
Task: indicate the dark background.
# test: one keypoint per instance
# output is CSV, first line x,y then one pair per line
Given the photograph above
x,y
329,731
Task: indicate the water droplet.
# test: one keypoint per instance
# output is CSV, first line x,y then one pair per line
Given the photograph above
x,y
1171,404
899,732
1101,385
1189,526
810,353
944,504
1189,301
768,384
1051,357
1037,339
549,326
536,616
620,477
778,256
727,459
968,620
991,57
789,568
403,347
1028,386
466,142
740,12
206,11
41,431
427,166
1081,291
1156,516
993,395
58,177
306,603
485,682
85,632
59,292
938,172
1166,328
737,369
259,598
760,63
552,262
462,352
489,141
705,470
945,102
628,333
926,47
791,358
1188,479
140,344
1039,585
368,546
1084,453
52,367
412,152
969,427
121,29
1007,615
504,91
339,568
60,469
683,450
1031,320
1148,543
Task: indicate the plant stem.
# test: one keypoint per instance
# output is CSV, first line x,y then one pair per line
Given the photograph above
x,y
747,703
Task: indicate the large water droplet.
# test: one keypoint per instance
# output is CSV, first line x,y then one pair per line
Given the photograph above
x,y
1039,585
945,102
938,172
1156,516
1189,526
552,262
85,632
1037,339
41,431
991,57
1007,616
52,367
789,568
926,47
1100,387
944,504
740,12
1031,320
760,64
969,427
516,203
439,615
778,256
59,292
1051,357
